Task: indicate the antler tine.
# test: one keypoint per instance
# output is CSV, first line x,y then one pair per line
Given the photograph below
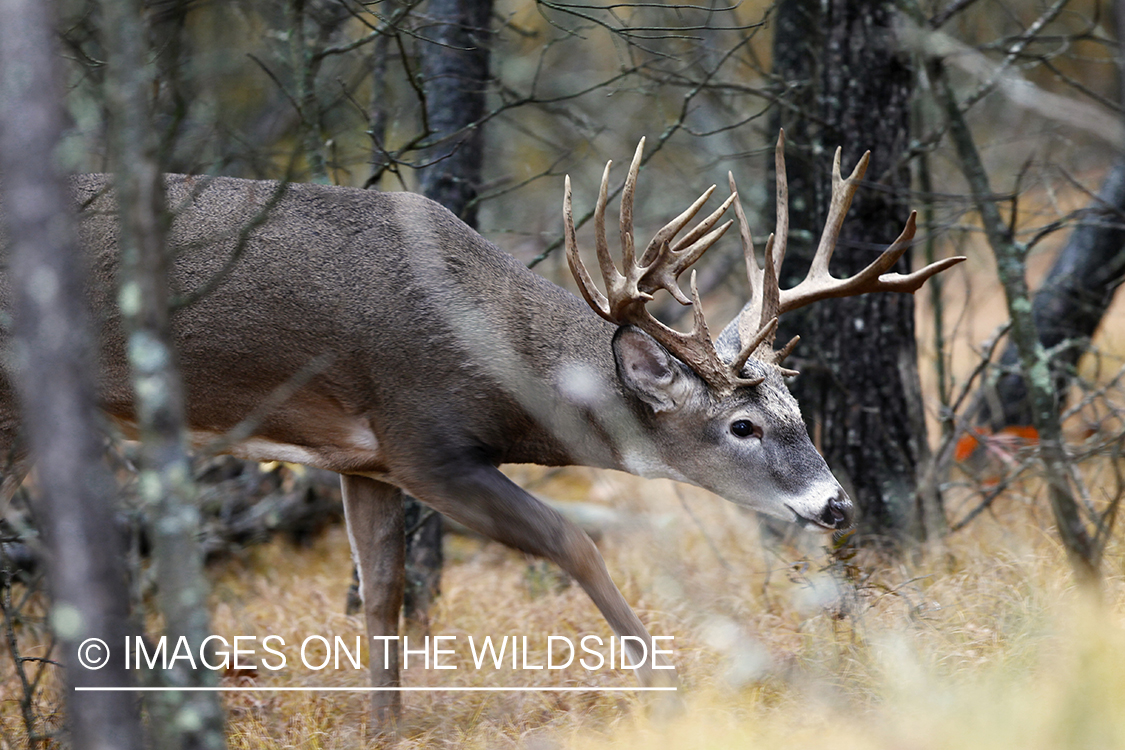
x,y
700,337
777,243
842,193
771,290
769,330
753,271
593,296
755,321
755,275
711,367
670,263
781,230
663,263
786,350
672,228
703,227
628,252
610,274
911,282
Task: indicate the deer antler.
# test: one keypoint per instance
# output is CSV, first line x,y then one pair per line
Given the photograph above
x,y
659,268
662,263
758,321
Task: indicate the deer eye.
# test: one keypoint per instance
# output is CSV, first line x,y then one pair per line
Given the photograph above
x,y
744,428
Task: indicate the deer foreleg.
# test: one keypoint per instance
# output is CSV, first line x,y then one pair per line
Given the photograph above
x,y
482,498
375,528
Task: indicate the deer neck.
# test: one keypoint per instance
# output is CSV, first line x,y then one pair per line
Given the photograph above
x,y
576,409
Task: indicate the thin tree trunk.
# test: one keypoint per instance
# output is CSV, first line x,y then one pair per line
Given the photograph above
x,y
1034,367
378,114
54,368
455,59
174,83
304,79
180,719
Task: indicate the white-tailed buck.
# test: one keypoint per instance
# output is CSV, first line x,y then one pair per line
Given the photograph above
x,y
443,357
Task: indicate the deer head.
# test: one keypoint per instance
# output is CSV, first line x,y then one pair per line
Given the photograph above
x,y
724,404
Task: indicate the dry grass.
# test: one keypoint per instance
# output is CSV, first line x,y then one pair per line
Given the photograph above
x,y
983,643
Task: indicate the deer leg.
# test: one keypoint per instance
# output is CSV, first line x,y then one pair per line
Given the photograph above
x,y
375,529
482,498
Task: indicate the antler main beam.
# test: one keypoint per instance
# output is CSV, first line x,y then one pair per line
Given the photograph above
x,y
662,262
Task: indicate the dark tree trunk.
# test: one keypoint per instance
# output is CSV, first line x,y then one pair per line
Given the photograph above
x,y
797,56
859,388
55,373
455,59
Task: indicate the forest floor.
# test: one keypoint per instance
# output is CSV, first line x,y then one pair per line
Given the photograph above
x,y
984,642
981,642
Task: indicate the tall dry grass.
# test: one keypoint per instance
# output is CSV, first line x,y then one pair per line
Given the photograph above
x,y
982,643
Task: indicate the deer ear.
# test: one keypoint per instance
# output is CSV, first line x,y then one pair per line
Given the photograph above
x,y
649,371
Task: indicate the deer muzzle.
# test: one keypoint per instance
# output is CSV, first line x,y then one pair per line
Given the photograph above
x,y
836,514
839,513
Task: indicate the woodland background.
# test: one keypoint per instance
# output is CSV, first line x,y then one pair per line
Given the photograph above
x,y
978,426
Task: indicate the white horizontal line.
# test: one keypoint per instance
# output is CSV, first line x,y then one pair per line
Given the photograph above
x,y
374,689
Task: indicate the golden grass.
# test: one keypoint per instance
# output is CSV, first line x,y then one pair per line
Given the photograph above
x,y
984,643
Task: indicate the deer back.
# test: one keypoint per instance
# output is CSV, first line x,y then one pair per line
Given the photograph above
x,y
426,335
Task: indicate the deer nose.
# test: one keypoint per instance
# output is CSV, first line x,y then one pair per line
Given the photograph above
x,y
837,514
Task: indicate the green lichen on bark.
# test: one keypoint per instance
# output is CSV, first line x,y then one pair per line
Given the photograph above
x,y
1033,359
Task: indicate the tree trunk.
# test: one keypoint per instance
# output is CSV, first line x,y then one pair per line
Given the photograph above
x,y
455,75
54,369
180,719
455,59
859,389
